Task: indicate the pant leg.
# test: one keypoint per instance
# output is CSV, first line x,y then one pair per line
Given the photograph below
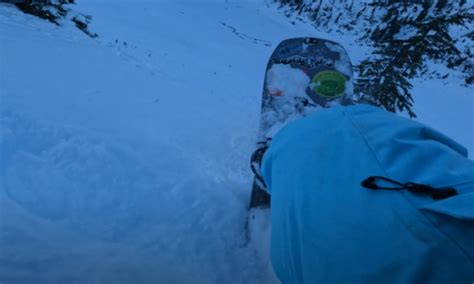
x,y
326,228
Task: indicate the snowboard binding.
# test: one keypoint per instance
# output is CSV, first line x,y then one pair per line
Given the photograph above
x,y
260,195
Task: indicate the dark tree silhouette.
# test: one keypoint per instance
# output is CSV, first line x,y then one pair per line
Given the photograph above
x,y
53,11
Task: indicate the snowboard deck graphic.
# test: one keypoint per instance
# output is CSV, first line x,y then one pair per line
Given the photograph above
x,y
302,76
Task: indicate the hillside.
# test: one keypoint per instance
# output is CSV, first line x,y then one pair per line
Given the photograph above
x,y
125,158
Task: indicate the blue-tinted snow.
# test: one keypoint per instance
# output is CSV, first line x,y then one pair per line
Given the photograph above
x,y
124,159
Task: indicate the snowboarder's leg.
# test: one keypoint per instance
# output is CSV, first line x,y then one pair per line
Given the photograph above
x,y
327,228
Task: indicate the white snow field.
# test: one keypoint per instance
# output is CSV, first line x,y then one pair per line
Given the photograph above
x,y
125,159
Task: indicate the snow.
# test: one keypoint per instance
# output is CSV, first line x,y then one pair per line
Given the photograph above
x,y
343,63
288,85
290,82
124,159
405,33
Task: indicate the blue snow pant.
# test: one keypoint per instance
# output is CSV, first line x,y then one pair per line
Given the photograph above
x,y
327,228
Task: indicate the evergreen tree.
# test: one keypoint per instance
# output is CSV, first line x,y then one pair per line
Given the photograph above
x,y
411,34
53,11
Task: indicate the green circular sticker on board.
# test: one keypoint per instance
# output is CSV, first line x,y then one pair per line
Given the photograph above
x,y
330,84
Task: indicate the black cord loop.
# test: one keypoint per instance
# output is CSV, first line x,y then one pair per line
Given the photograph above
x,y
433,192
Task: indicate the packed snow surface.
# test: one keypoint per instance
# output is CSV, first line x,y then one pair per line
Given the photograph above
x,y
124,159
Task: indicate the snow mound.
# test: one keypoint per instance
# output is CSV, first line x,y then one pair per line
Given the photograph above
x,y
77,206
287,81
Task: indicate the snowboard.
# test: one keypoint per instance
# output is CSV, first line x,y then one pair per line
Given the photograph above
x,y
303,75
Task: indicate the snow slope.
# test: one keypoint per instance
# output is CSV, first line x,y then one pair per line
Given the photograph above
x,y
124,159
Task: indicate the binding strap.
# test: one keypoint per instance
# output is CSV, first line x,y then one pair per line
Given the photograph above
x,y
256,160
